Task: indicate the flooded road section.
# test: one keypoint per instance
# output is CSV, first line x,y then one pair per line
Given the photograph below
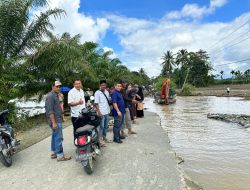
x,y
216,153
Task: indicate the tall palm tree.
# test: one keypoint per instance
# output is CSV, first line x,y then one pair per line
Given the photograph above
x,y
232,73
221,74
168,62
183,59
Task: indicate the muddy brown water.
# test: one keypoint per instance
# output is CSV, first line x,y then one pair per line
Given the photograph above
x,y
216,153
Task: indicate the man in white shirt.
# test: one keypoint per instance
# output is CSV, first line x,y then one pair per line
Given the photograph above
x,y
76,101
102,102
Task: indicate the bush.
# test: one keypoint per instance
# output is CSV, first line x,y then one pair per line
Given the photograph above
x,y
187,90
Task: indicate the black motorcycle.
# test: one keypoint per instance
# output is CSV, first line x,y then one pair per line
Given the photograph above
x,y
8,143
86,138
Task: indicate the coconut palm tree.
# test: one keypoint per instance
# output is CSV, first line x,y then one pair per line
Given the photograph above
x,y
232,73
168,63
183,59
221,74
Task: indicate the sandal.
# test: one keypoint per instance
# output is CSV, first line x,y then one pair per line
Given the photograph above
x,y
132,132
64,159
108,141
53,156
103,144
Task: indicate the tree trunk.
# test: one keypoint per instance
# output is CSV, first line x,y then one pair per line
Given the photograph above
x,y
185,79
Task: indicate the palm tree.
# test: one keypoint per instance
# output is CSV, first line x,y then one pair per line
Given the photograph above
x,y
20,35
168,63
247,73
202,54
183,59
232,73
221,74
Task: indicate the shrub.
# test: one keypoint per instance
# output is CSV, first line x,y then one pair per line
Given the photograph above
x,y
187,90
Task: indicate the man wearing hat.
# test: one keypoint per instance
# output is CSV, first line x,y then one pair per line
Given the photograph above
x,y
102,104
54,117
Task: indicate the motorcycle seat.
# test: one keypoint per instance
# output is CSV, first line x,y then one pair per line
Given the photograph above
x,y
85,128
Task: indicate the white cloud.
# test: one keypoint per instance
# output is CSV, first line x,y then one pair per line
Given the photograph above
x,y
144,41
113,55
144,44
194,11
91,29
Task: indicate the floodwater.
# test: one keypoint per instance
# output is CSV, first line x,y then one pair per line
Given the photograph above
x,y
216,153
30,107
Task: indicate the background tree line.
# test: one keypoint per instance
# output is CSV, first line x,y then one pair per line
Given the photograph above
x,y
237,77
186,68
31,57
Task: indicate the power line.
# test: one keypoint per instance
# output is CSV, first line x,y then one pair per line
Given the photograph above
x,y
228,35
243,40
233,62
243,34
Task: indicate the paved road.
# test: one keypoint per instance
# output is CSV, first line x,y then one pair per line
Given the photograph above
x,y
142,162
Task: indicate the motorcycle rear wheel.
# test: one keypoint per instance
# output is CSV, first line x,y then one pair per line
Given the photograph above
x,y
89,168
7,161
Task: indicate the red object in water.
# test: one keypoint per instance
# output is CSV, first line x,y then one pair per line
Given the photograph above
x,y
81,140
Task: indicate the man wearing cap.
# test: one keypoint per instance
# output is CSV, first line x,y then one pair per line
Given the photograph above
x,y
54,117
102,104
76,101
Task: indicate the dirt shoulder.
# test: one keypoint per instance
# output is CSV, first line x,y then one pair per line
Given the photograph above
x,y
237,90
38,131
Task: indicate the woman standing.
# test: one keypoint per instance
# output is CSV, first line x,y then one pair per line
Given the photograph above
x,y
139,106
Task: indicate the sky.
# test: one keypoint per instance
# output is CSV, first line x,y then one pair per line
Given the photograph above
x,y
139,32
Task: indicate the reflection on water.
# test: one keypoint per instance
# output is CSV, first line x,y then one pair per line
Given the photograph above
x,y
216,153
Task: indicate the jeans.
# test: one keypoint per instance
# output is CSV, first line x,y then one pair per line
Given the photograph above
x,y
118,121
56,140
104,125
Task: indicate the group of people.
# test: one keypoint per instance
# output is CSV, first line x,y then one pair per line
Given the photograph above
x,y
124,102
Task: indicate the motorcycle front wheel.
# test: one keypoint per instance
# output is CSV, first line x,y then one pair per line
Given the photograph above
x,y
89,168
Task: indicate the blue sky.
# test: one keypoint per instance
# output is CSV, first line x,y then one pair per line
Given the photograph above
x,y
140,31
155,9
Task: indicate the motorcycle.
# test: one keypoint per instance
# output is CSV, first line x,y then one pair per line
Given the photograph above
x,y
8,143
86,138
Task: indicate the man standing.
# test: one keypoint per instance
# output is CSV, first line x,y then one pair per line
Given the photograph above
x,y
118,112
54,117
102,101
76,101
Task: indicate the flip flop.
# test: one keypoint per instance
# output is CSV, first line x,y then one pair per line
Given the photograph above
x,y
53,156
108,141
64,159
